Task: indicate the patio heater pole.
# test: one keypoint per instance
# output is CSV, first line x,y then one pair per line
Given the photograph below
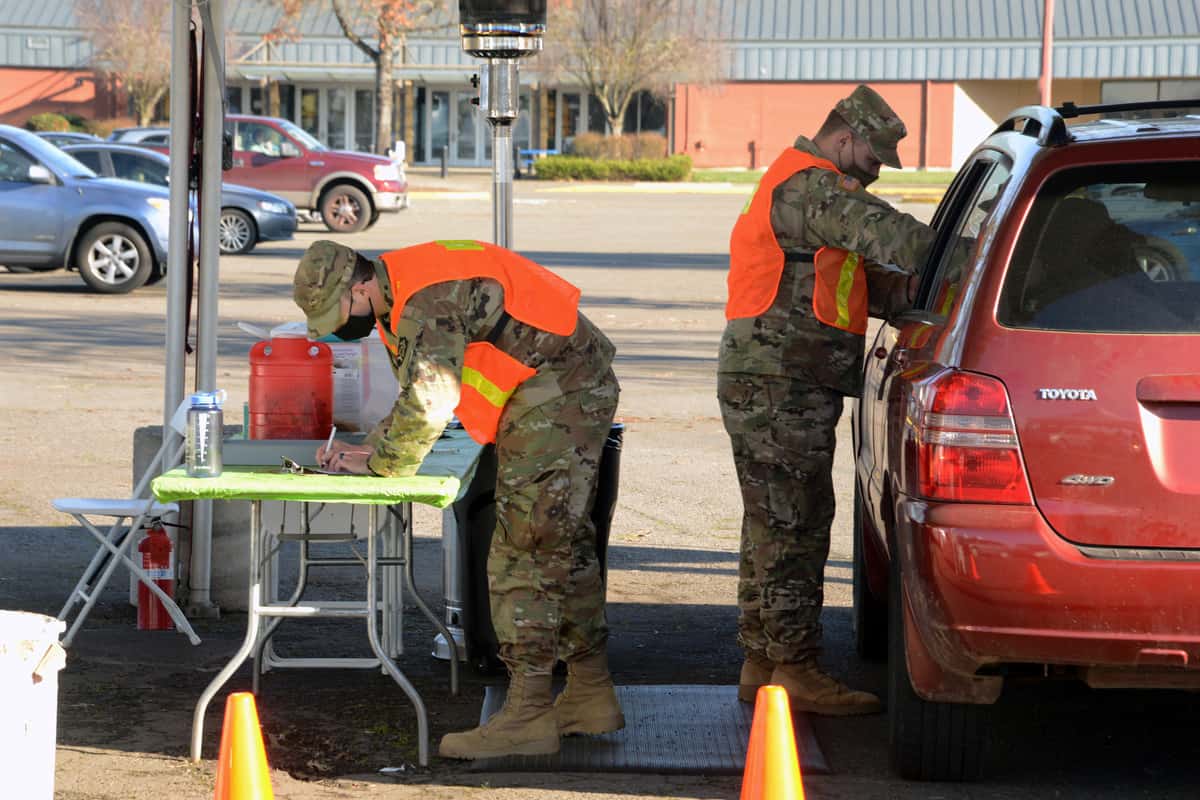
x,y
501,33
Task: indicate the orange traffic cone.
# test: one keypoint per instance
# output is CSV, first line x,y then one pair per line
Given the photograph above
x,y
772,766
242,772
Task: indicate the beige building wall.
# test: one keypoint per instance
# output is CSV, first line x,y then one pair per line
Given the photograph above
x,y
979,106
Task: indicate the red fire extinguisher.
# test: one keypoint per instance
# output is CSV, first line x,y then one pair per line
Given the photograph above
x,y
158,560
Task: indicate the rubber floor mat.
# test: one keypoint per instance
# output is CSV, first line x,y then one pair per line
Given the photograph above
x,y
700,730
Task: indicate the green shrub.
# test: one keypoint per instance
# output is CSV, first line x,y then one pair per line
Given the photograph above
x,y
48,121
649,145
557,168
628,147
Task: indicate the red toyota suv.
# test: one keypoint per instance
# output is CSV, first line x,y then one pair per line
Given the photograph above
x,y
1027,445
346,190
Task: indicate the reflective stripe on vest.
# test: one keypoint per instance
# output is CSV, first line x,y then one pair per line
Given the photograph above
x,y
489,378
756,260
840,290
532,295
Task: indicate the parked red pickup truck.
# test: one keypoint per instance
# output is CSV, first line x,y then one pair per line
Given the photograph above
x,y
345,190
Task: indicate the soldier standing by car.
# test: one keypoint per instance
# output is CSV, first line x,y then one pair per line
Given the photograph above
x,y
481,332
806,270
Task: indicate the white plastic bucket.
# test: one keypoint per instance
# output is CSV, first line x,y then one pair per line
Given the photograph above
x,y
30,659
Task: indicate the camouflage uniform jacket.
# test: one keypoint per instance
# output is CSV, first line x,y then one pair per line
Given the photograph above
x,y
814,209
437,324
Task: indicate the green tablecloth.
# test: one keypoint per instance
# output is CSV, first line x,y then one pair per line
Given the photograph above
x,y
446,469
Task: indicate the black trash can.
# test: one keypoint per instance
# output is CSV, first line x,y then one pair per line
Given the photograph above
x,y
475,516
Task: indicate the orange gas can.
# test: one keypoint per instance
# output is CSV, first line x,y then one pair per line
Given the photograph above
x,y
291,389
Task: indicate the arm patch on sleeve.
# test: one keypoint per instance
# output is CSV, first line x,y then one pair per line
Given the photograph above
x,y
849,183
406,340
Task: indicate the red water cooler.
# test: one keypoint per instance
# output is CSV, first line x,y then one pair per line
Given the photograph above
x,y
291,389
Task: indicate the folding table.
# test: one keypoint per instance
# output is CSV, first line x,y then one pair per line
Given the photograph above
x,y
444,473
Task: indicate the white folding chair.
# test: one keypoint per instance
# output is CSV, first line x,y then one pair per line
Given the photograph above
x,y
116,546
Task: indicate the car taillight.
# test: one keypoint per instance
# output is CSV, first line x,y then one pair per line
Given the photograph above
x,y
966,442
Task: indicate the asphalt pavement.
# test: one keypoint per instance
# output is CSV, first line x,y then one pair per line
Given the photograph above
x,y
78,372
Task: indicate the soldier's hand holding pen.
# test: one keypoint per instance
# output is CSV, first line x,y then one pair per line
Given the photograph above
x,y
344,457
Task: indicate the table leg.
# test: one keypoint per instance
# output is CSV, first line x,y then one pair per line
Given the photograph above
x,y
410,581
384,659
252,622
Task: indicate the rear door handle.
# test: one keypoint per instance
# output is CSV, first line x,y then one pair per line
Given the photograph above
x,y
1169,389
237,162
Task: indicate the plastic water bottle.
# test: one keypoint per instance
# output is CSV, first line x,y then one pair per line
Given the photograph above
x,y
204,427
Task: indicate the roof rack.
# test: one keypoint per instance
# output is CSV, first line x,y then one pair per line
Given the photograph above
x,y
1069,110
1041,121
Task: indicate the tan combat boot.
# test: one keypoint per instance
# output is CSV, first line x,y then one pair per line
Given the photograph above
x,y
589,703
756,672
809,689
525,726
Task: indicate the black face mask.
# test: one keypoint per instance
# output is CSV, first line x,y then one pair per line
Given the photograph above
x,y
854,171
356,327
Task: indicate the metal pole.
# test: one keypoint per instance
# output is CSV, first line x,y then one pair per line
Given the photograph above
x,y
177,262
1047,77
499,94
213,14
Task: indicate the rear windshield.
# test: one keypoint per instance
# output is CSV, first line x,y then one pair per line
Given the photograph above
x,y
1110,249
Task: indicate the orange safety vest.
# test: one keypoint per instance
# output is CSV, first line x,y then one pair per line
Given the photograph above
x,y
756,260
532,294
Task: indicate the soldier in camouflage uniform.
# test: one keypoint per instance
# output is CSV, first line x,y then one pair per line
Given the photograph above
x,y
544,577
783,373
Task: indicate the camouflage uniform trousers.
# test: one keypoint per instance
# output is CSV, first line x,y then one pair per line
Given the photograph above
x,y
783,435
546,588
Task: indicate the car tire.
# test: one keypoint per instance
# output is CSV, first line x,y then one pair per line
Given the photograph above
x,y
1160,262
236,233
927,741
113,258
870,617
345,209
374,219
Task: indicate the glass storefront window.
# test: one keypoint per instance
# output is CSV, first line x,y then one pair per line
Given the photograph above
x,y
551,120
570,119
364,120
310,111
439,124
417,151
287,101
258,104
336,126
597,119
233,98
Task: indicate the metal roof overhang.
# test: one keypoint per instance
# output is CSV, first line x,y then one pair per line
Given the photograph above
x,y
961,60
339,73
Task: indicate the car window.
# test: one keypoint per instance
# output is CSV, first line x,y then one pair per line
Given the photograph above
x,y
156,139
133,167
302,136
14,164
89,158
960,245
1109,249
255,137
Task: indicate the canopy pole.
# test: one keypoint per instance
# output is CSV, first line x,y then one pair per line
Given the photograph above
x,y
213,16
177,263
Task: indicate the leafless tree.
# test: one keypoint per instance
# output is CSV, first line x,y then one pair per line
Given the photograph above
x,y
380,29
130,42
617,48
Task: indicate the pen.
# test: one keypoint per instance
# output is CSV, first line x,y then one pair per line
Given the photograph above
x,y
329,444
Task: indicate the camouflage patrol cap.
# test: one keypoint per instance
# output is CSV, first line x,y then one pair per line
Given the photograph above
x,y
322,277
869,116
